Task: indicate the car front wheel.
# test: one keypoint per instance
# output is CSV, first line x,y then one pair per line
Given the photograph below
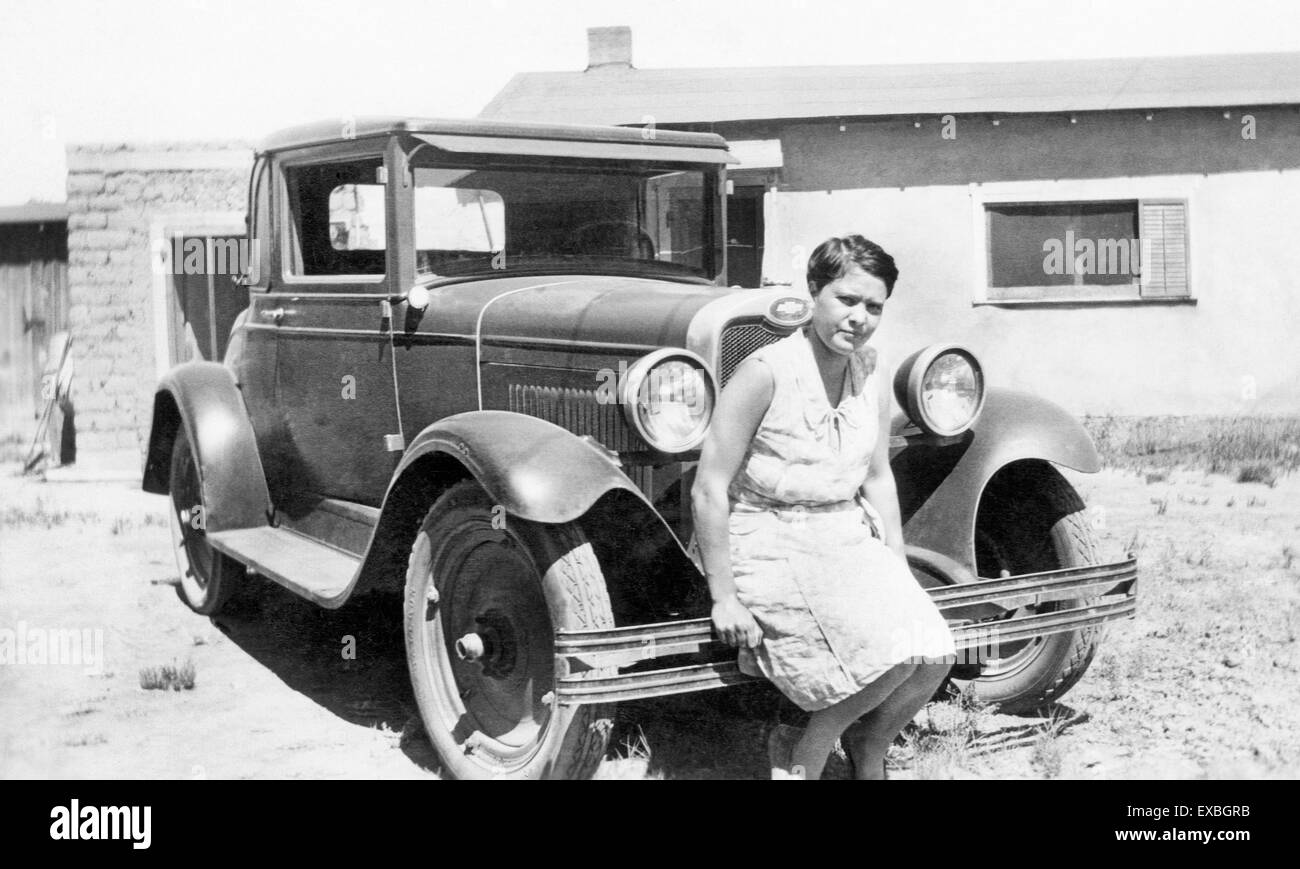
x,y
1032,520
207,577
485,593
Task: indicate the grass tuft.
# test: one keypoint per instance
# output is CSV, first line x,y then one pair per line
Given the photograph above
x,y
942,747
1048,754
168,676
631,760
1257,472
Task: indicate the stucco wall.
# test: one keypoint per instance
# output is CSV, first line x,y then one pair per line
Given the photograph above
x,y
921,196
118,197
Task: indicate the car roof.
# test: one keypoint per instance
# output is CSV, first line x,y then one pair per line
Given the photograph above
x,y
347,129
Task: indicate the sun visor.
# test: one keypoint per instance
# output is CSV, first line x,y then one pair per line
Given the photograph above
x,y
647,151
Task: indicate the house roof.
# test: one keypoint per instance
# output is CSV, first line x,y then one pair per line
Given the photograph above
x,y
34,212
473,131
621,94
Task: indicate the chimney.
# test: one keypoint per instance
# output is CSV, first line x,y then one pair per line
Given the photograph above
x,y
609,47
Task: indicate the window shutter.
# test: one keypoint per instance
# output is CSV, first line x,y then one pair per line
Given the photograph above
x,y
1163,230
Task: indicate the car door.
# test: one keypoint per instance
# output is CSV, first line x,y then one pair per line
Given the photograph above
x,y
340,435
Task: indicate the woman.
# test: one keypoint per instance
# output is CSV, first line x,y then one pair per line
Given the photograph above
x,y
798,525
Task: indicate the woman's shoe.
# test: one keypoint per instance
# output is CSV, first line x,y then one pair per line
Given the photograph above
x,y
781,741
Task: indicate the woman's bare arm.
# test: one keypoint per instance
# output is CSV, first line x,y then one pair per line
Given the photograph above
x,y
879,489
740,411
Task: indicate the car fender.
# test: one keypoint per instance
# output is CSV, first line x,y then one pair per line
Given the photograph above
x,y
940,485
203,397
535,469
532,468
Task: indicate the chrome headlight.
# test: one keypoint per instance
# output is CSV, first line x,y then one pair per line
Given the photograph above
x,y
668,398
941,388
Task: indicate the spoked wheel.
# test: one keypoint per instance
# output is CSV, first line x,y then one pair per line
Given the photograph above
x,y
1032,520
484,596
207,577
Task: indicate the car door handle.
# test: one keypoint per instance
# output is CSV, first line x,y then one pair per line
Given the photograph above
x,y
274,314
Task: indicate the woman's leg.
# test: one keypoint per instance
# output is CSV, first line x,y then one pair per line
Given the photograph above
x,y
826,725
871,737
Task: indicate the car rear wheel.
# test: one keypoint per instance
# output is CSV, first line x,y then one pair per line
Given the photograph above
x,y
1032,520
484,596
207,577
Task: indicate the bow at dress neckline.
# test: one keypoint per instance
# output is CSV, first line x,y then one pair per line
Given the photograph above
x,y
825,420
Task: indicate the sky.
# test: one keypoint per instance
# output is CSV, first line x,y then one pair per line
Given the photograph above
x,y
172,70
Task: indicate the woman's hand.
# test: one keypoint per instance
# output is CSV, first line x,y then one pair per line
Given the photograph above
x,y
735,624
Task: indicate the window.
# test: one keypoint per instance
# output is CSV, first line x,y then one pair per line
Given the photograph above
x,y
633,218
1099,250
453,218
336,219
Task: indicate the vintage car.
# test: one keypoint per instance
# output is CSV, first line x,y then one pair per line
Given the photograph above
x,y
475,370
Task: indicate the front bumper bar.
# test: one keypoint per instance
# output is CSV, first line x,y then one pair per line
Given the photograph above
x,y
1109,592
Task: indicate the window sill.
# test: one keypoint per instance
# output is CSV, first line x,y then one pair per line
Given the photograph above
x,y
1083,301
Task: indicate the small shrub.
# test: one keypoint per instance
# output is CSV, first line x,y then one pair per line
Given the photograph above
x,y
168,676
1162,504
1257,472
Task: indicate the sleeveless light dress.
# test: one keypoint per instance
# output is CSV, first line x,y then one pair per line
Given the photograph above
x,y
837,607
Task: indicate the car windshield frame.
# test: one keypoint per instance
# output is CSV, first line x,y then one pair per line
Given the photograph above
x,y
505,261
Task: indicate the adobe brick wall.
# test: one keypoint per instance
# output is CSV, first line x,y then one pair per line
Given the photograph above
x,y
116,192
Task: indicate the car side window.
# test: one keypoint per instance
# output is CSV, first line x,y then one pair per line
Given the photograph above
x,y
336,218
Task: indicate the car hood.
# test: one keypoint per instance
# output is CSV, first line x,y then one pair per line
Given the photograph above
x,y
621,312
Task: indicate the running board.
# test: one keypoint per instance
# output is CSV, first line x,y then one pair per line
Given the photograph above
x,y
306,567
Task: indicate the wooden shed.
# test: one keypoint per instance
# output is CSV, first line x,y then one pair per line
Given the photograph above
x,y
33,307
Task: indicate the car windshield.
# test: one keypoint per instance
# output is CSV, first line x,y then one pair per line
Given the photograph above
x,y
604,217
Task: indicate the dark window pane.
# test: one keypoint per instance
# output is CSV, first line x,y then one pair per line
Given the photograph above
x,y
337,212
1063,244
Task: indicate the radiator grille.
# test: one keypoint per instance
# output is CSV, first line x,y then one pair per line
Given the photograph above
x,y
738,341
578,411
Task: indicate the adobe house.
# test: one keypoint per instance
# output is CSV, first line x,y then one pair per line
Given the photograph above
x,y
1116,234
133,311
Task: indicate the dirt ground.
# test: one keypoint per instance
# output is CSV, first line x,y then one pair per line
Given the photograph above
x,y
1202,684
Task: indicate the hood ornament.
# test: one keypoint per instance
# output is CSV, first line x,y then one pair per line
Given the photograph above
x,y
788,312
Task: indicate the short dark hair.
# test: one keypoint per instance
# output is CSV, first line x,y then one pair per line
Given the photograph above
x,y
834,256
